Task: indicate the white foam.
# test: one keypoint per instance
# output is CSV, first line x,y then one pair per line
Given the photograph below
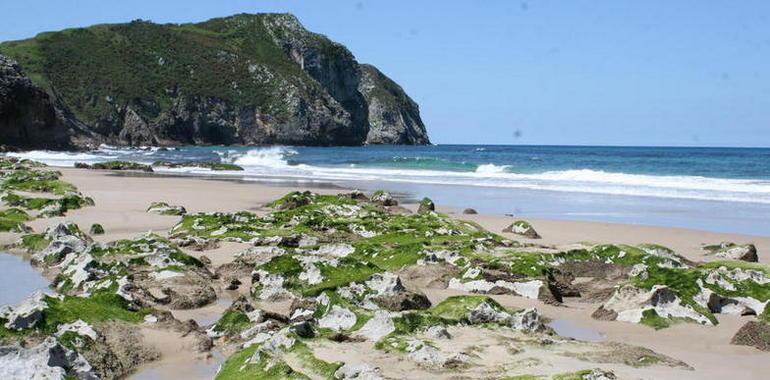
x,y
492,169
272,164
60,158
272,157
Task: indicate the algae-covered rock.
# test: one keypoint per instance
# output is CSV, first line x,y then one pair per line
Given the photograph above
x,y
732,251
163,208
523,228
12,220
115,165
96,229
383,198
653,307
215,166
426,205
49,207
599,374
755,334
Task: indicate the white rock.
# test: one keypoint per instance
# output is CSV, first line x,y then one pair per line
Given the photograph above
x,y
27,314
528,289
323,299
79,327
334,250
149,318
360,371
472,273
438,332
630,302
48,360
598,374
528,320
260,254
122,291
338,318
377,327
165,274
385,283
311,274
433,257
639,270
280,340
485,313
79,271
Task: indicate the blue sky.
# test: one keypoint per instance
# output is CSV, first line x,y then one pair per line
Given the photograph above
x,y
524,72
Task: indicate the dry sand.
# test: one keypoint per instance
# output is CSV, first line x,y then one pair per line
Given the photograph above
x,y
121,201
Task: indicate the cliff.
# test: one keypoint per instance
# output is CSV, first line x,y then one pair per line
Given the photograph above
x,y
245,79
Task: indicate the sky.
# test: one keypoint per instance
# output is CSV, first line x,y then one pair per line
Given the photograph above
x,y
654,72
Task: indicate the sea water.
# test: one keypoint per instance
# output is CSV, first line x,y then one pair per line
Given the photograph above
x,y
717,189
19,279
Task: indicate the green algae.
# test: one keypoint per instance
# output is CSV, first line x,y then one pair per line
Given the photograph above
x,y
242,366
70,201
45,181
232,322
216,166
12,220
115,165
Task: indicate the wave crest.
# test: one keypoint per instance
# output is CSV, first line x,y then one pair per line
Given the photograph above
x,y
271,157
492,169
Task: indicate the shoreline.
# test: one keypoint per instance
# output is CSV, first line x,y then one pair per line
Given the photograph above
x,y
553,231
562,184
122,198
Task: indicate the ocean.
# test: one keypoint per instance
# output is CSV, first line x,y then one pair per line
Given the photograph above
x,y
716,189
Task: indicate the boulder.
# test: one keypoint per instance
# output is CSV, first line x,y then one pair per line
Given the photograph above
x,y
401,301
304,329
385,283
438,332
523,228
732,251
631,304
338,318
430,356
599,374
426,205
470,211
485,313
233,283
528,320
383,198
357,195
59,248
362,371
96,229
47,360
163,208
27,314
377,327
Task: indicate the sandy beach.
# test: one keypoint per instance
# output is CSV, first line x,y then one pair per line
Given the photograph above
x,y
121,201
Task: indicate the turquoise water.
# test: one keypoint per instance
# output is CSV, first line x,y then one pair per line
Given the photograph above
x,y
721,189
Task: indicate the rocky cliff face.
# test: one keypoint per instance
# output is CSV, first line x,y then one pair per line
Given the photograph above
x,y
29,117
245,79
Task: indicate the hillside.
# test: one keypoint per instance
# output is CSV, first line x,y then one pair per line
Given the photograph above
x,y
244,79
